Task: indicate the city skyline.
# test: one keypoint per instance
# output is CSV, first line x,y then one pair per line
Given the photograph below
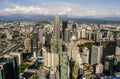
x,y
81,8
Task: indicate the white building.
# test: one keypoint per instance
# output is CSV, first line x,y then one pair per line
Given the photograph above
x,y
99,69
83,34
96,55
51,59
117,51
85,55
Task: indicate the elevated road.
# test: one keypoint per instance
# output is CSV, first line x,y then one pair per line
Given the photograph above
x,y
13,48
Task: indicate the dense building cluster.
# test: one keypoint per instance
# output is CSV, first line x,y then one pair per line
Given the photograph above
x,y
59,50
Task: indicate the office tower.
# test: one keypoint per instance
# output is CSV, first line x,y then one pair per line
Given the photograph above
x,y
10,67
94,36
51,60
40,35
75,53
47,39
98,35
83,34
27,44
57,28
87,34
111,48
67,35
117,63
74,26
96,55
75,33
56,46
1,71
35,41
17,56
109,63
64,69
64,26
79,33
89,31
117,51
85,55
99,68
80,72
118,38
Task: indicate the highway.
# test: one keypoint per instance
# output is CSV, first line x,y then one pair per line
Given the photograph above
x,y
12,48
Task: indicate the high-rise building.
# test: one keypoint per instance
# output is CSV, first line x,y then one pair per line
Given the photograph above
x,y
57,28
83,33
110,48
99,69
64,26
27,44
67,35
56,45
40,35
10,68
64,66
35,41
118,63
17,56
51,60
109,63
85,55
117,51
96,55
1,72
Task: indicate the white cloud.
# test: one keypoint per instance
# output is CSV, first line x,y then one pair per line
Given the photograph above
x,y
25,10
57,8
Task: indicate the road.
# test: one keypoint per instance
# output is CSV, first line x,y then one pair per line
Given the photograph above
x,y
13,48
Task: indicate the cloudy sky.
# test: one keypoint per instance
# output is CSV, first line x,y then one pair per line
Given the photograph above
x,y
75,8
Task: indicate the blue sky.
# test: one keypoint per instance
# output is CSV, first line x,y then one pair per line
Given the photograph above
x,y
76,8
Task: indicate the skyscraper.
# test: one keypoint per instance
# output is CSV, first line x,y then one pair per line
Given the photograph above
x,y
56,46
64,70
64,26
57,28
85,55
10,68
35,41
51,60
40,34
96,55
27,44
17,56
67,35
109,63
1,72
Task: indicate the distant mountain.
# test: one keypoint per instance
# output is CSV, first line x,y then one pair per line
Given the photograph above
x,y
34,17
21,17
